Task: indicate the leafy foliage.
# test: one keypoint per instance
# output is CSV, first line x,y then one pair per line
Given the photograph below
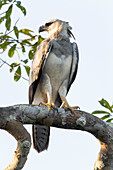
x,y
21,7
16,32
17,74
108,114
105,104
27,68
26,32
11,50
11,43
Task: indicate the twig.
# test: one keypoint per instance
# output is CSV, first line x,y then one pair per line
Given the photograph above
x,y
2,64
3,13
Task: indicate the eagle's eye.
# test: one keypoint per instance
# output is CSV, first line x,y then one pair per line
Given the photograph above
x,y
48,24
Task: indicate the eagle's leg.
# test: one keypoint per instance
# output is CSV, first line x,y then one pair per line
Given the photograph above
x,y
46,88
62,94
65,105
49,104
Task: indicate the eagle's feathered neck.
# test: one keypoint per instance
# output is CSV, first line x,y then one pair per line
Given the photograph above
x,y
60,35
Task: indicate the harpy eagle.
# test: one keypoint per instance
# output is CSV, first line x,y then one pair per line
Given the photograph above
x,y
53,71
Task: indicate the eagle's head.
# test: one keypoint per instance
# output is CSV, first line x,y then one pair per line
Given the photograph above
x,y
56,28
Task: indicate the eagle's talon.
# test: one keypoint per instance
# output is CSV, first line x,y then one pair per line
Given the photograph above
x,y
48,105
76,107
40,103
66,106
55,108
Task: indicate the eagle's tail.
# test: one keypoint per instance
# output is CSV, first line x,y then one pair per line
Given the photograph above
x,y
40,137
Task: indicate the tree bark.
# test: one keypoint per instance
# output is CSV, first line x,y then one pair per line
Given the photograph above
x,y
12,119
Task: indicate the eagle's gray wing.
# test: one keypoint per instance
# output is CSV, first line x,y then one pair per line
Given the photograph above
x,y
37,66
74,65
40,133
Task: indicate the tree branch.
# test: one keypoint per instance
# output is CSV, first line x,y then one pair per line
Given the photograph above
x,y
12,119
17,130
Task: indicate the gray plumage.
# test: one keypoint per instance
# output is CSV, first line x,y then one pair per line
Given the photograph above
x,y
53,71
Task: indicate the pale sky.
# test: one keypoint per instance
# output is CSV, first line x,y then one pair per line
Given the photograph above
x,y
93,28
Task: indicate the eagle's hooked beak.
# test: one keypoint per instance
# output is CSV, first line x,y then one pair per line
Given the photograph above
x,y
42,28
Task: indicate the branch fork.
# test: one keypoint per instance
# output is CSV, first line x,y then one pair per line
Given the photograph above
x,y
12,119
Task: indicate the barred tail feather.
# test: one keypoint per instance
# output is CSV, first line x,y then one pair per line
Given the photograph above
x,y
40,137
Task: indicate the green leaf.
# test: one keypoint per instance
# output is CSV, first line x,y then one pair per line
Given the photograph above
x,y
26,42
112,108
8,23
9,11
109,120
105,117
105,104
100,112
40,39
18,2
26,32
11,50
23,48
16,32
21,8
4,45
31,54
17,74
25,61
32,38
2,19
11,69
0,4
27,68
14,64
10,0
